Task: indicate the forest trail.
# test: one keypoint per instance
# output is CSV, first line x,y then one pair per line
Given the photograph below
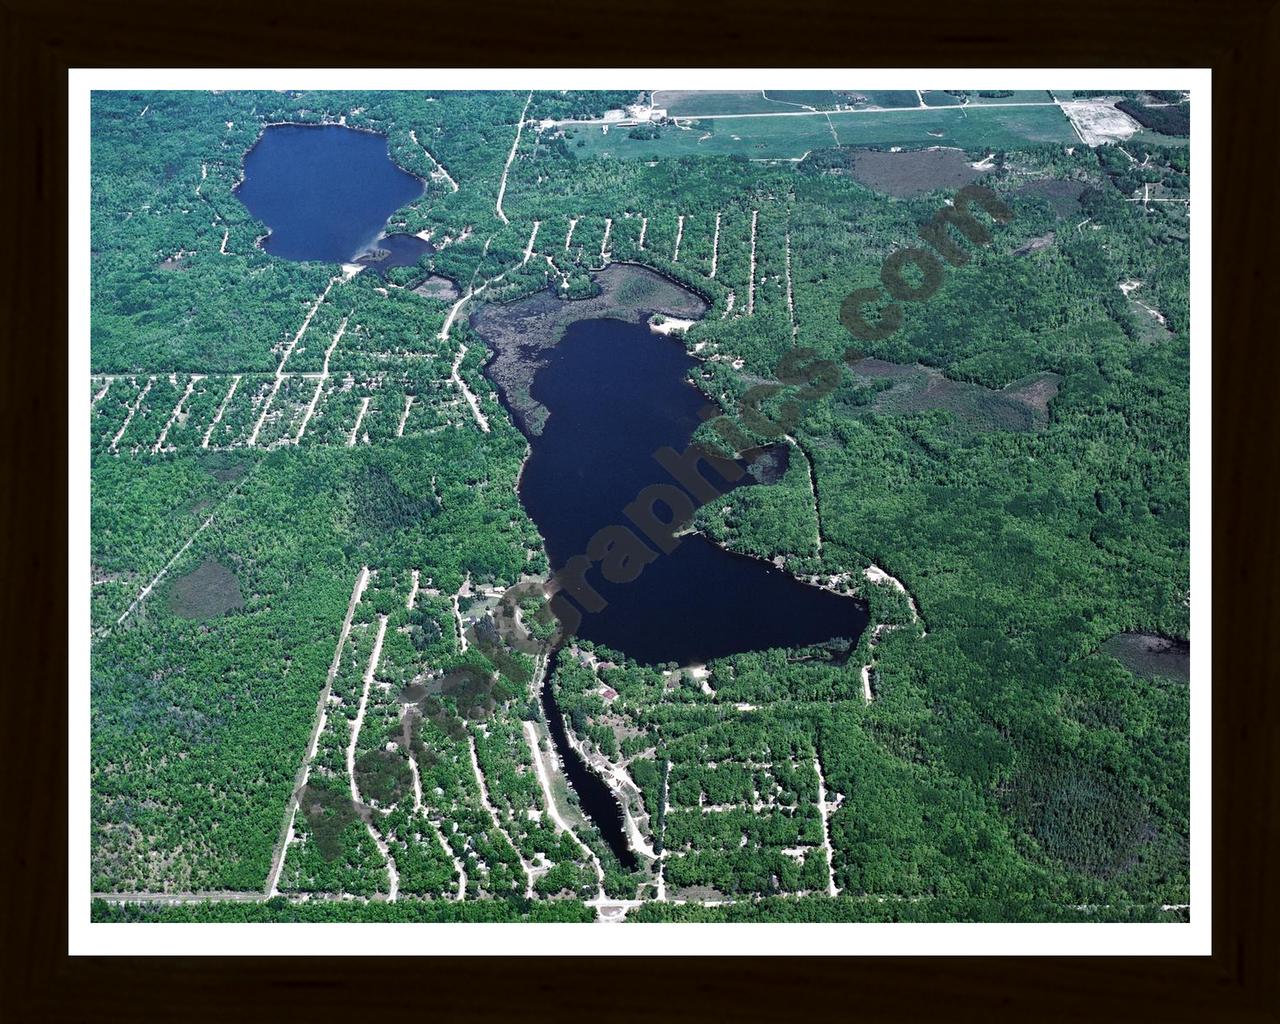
x,y
440,171
502,185
604,242
284,358
715,248
644,226
568,238
217,418
826,829
304,769
393,876
461,384
99,396
320,382
146,591
662,816
133,409
404,418
875,574
528,249
529,872
791,303
675,255
355,430
177,411
813,492
553,812
751,284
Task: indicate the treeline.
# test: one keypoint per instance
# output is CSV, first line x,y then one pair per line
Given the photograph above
x,y
1174,119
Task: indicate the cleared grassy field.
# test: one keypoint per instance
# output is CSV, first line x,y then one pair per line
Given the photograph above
x,y
695,103
754,137
937,98
819,99
892,98
775,138
997,127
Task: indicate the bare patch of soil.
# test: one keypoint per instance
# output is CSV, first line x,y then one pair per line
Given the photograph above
x,y
914,172
209,591
436,286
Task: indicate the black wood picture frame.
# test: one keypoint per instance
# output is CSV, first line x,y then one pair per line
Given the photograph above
x,y
1238,39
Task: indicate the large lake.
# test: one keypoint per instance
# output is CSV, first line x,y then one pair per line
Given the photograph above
x,y
326,191
606,395
616,393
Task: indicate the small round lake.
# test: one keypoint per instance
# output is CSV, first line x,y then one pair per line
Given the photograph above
x,y
326,191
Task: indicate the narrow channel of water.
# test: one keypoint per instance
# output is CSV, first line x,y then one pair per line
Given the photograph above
x,y
595,798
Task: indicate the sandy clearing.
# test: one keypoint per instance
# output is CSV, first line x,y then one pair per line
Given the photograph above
x,y
412,599
133,409
681,119
604,243
832,890
568,238
177,409
217,417
715,247
457,619
355,430
1099,121
226,234
304,769
675,255
101,394
751,288
404,415
502,185
671,325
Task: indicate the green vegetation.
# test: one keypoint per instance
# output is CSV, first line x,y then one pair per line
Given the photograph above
x,y
1016,455
1170,119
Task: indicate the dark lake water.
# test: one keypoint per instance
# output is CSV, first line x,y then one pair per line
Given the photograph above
x,y
326,191
616,393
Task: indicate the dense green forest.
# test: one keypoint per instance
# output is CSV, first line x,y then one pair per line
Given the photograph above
x,y
325,447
